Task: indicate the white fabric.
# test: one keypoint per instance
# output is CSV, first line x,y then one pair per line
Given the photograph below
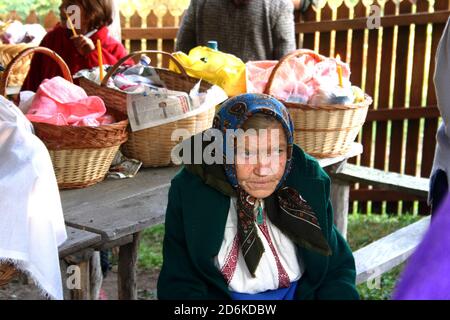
x,y
442,85
266,275
31,219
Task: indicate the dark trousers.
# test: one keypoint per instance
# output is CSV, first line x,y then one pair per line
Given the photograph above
x,y
438,189
104,262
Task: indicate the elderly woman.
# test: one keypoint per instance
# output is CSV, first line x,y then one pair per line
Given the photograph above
x,y
258,227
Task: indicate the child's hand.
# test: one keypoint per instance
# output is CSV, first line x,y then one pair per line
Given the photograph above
x,y
84,45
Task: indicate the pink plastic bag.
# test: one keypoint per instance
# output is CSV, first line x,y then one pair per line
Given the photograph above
x,y
297,79
60,102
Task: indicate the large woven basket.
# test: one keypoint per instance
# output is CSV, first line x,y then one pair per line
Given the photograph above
x,y
20,70
81,156
7,273
153,146
326,130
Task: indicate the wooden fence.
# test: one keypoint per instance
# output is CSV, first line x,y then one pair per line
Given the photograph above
x,y
393,63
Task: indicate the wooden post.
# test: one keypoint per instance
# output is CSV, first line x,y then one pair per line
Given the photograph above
x,y
84,292
340,194
82,262
127,269
340,197
96,276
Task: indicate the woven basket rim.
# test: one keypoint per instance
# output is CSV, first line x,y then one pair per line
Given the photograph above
x,y
83,79
328,107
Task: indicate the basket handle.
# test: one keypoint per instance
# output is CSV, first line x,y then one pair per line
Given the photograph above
x,y
50,53
134,54
292,55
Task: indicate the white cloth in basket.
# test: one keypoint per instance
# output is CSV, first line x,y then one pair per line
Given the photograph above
x,y
31,219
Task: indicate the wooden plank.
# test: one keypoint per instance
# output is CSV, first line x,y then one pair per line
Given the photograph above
x,y
431,125
297,19
384,92
342,36
112,190
389,20
364,194
308,38
127,284
136,45
168,45
152,44
32,18
357,50
386,180
116,243
367,130
121,218
325,37
50,20
150,33
412,139
412,113
388,252
401,66
78,240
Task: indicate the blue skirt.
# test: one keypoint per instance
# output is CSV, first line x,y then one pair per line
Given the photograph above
x,y
278,294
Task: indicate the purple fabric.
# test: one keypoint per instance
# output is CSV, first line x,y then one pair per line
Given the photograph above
x,y
427,274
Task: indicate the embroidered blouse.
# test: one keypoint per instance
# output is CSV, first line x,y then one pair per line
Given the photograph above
x,y
279,266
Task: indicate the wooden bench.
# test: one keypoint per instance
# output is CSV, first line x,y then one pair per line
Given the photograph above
x,y
388,252
386,180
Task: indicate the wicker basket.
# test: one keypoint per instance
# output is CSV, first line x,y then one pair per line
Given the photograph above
x,y
81,156
153,146
326,130
20,71
7,273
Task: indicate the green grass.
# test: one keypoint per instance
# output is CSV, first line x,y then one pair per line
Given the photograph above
x,y
150,249
365,229
362,230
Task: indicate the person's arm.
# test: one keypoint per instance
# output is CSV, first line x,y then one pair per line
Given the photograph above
x,y
178,278
339,283
442,77
112,52
186,36
284,31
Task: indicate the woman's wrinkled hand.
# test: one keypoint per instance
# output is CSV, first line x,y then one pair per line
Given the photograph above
x,y
84,45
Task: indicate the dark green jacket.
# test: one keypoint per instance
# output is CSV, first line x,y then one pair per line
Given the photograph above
x,y
195,223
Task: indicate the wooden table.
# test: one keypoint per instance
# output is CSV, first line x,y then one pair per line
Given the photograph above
x,y
119,210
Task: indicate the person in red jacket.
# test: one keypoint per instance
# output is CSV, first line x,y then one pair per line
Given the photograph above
x,y
79,52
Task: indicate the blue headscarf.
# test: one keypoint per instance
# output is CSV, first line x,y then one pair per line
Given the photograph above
x,y
237,110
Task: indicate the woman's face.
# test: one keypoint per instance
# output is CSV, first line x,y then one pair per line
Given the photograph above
x,y
261,161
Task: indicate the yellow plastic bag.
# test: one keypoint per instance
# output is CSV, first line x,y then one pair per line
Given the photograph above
x,y
222,69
